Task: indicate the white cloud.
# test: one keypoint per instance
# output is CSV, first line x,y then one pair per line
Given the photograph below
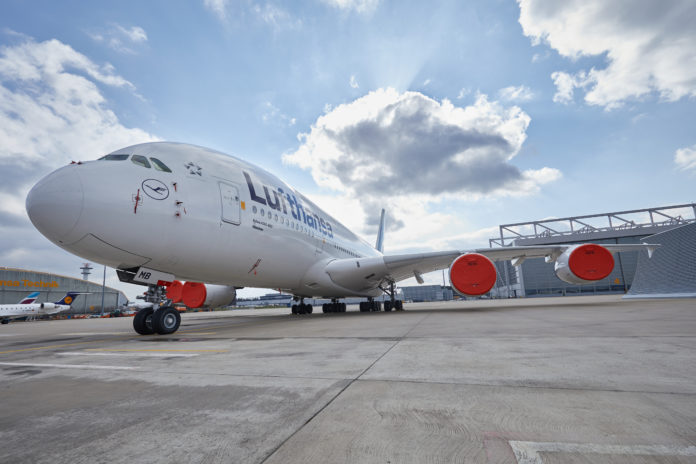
x,y
686,158
121,39
52,111
405,151
463,93
276,17
218,7
516,93
565,86
648,45
353,82
359,6
273,115
426,82
268,13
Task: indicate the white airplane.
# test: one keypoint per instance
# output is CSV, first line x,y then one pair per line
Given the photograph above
x,y
13,311
164,212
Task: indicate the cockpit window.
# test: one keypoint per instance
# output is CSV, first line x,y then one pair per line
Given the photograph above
x,y
114,157
140,161
160,166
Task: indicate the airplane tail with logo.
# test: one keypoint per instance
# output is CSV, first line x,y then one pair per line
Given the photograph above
x,y
29,299
380,234
68,299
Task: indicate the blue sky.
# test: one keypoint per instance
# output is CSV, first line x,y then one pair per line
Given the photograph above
x,y
456,117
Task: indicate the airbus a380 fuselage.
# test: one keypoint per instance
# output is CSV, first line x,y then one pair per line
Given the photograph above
x,y
164,212
213,218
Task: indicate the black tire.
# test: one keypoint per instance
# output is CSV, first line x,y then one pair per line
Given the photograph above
x,y
294,309
166,320
362,306
377,306
343,307
309,309
399,305
388,306
5,321
142,322
324,308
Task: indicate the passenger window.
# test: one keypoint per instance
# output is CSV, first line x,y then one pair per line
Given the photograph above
x,y
160,166
140,161
114,157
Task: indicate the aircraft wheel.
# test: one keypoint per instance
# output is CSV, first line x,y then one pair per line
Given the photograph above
x,y
343,307
294,309
377,306
399,305
166,320
142,322
5,321
309,309
387,305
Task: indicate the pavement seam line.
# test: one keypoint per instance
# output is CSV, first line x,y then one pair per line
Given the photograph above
x,y
340,392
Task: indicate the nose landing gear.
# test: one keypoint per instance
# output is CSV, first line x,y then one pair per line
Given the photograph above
x,y
158,316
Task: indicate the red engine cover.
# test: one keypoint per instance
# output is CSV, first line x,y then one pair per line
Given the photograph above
x,y
175,291
472,274
591,262
194,294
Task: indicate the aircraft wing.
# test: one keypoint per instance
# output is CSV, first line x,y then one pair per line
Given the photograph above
x,y
367,273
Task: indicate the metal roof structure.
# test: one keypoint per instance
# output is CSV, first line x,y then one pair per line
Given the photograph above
x,y
632,222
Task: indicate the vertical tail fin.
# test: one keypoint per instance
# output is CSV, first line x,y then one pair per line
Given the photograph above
x,y
68,298
380,234
29,299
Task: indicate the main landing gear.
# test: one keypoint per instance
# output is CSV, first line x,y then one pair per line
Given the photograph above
x,y
160,318
334,307
302,308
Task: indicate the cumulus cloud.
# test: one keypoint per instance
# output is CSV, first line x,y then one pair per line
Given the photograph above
x,y
513,93
52,111
120,38
685,158
648,46
401,149
359,6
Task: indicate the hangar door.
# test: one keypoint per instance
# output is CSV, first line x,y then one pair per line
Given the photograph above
x,y
229,196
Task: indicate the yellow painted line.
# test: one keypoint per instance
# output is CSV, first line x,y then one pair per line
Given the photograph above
x,y
136,350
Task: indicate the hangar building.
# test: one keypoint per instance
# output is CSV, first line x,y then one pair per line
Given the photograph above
x,y
15,284
534,277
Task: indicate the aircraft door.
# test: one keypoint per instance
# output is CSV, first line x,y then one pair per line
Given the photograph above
x,y
231,203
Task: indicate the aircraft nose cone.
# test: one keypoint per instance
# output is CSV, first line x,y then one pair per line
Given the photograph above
x,y
54,204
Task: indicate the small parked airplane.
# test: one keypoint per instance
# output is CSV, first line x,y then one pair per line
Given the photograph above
x,y
164,212
12,311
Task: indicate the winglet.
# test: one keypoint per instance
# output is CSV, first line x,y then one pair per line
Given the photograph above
x,y
380,234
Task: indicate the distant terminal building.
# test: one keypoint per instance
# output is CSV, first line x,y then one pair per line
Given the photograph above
x,y
15,284
537,278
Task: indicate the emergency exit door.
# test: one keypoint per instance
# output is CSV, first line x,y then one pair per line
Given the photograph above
x,y
231,204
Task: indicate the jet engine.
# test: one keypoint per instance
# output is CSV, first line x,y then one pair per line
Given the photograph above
x,y
197,294
175,291
581,264
48,306
472,274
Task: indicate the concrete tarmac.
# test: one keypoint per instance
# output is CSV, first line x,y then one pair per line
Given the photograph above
x,y
534,381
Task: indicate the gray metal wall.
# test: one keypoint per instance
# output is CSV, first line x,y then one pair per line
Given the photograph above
x,y
672,269
16,284
427,293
